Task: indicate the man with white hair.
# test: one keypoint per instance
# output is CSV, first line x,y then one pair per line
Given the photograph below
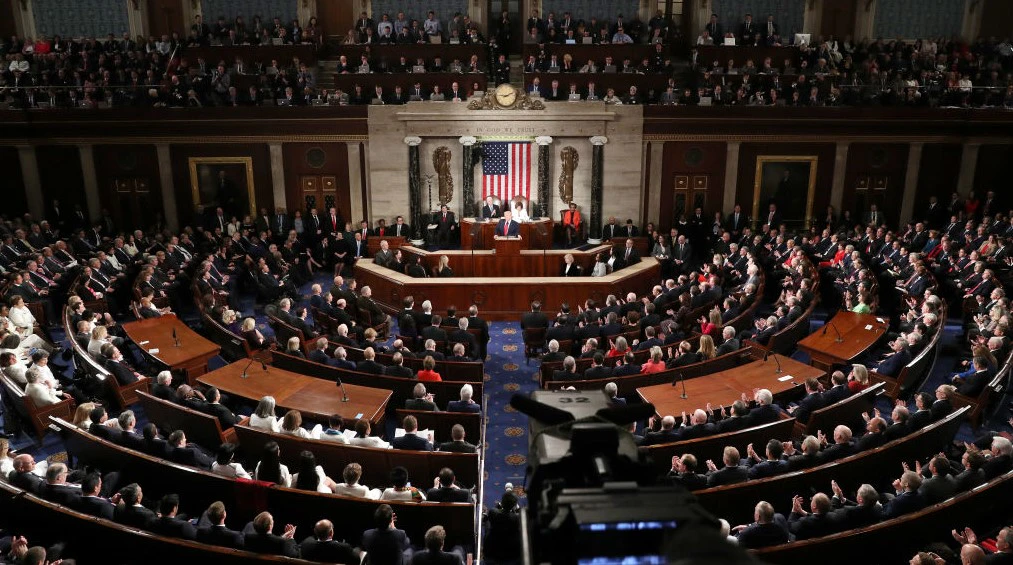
x,y
765,410
696,427
1001,459
461,335
554,353
163,386
730,342
612,392
666,434
842,446
465,404
341,360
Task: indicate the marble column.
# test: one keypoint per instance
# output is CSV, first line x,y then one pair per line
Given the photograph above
x,y
305,10
24,19
137,17
968,167
33,182
840,167
277,175
468,174
415,189
914,163
732,177
544,163
166,185
358,207
91,195
865,19
597,189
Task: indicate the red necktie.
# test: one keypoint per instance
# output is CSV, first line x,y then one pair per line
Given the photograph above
x,y
506,228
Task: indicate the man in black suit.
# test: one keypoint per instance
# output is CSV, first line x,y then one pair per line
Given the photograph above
x,y
939,486
907,499
768,529
397,368
400,229
461,335
446,226
597,370
842,447
976,381
214,407
213,530
490,210
262,540
321,546
167,524
535,318
611,229
774,464
458,445
385,543
56,488
839,389
434,555
120,370
185,454
369,364
715,30
630,255
131,512
806,525
736,221
446,490
863,511
813,400
410,440
731,473
91,501
507,227
730,344
684,472
477,323
666,434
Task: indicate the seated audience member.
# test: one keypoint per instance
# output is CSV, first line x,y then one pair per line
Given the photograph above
x,y
436,536
731,473
767,529
351,487
446,489
167,524
311,476
263,540
129,511
421,400
184,454
400,489
410,440
362,437
263,416
465,404
291,424
384,543
428,373
225,463
213,530
322,546
270,468
457,443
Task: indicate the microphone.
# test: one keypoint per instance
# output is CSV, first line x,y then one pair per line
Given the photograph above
x,y
344,395
680,379
776,360
174,338
255,357
840,338
548,415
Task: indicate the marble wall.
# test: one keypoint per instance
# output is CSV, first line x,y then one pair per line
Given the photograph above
x,y
569,124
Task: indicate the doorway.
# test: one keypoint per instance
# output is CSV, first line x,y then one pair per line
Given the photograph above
x,y
513,10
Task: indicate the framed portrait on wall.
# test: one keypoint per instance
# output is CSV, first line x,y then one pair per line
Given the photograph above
x,y
788,181
225,182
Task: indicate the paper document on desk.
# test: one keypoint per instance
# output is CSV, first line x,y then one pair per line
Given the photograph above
x,y
428,434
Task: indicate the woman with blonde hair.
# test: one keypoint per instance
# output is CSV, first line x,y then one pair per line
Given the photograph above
x,y
655,364
6,461
253,336
444,270
858,379
706,349
82,415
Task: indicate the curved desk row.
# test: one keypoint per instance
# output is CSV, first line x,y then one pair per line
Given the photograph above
x,y
508,286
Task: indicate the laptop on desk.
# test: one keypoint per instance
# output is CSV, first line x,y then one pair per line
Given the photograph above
x,y
729,42
587,40
418,69
283,102
574,97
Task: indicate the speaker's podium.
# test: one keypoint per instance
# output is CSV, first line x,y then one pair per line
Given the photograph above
x,y
507,246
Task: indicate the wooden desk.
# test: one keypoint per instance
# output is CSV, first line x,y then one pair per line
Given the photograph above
x,y
531,236
507,296
191,356
582,52
726,387
721,53
825,349
315,398
620,82
526,263
251,54
369,82
383,55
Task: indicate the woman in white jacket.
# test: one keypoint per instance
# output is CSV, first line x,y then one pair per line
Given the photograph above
x,y
263,417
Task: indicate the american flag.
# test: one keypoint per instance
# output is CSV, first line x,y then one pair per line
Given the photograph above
x,y
506,169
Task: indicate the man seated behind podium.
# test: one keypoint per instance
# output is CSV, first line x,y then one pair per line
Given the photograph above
x,y
507,226
490,209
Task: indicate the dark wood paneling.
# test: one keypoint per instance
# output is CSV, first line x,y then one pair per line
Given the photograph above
x,y
165,17
838,18
680,157
12,186
748,152
869,162
262,183
7,26
60,174
297,165
135,209
993,171
996,17
336,17
937,175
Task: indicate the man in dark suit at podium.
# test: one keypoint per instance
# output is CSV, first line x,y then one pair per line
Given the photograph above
x,y
507,226
446,225
490,209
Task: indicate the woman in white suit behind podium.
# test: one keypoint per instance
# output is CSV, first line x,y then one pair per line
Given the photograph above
x,y
520,212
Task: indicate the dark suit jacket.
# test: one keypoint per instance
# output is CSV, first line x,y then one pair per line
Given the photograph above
x,y
808,405
96,506
811,526
65,495
136,516
447,494
457,447
534,320
225,416
385,546
768,468
173,527
727,476
330,551
975,383
123,374
220,536
937,489
367,366
412,442
763,535
270,544
398,371
892,365
428,557
513,230
903,503
461,406
420,404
